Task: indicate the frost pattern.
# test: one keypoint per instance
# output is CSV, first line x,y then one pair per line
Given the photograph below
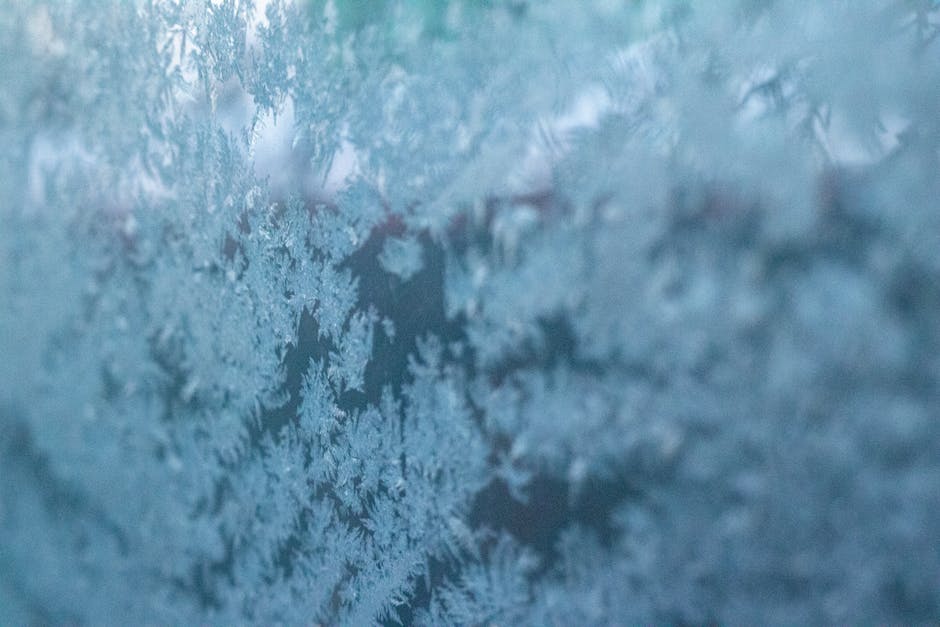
x,y
401,257
500,312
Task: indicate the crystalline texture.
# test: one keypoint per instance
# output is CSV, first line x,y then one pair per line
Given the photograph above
x,y
460,312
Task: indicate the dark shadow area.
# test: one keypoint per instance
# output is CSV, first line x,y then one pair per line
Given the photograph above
x,y
551,508
415,307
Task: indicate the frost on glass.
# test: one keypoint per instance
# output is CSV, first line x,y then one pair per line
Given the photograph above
x,y
465,312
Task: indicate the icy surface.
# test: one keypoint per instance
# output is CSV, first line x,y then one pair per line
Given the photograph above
x,y
469,312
